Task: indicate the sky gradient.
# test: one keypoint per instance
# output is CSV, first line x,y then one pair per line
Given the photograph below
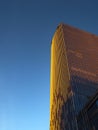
x,y
26,30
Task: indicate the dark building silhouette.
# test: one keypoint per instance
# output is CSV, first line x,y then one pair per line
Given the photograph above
x,y
74,80
88,116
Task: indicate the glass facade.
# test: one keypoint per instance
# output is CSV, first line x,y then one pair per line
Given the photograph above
x,y
74,79
88,117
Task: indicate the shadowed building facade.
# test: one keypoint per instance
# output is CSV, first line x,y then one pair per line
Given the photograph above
x,y
74,78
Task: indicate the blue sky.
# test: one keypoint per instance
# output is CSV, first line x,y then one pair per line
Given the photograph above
x,y
26,30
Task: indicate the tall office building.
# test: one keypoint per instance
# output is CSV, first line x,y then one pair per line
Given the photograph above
x,y
74,79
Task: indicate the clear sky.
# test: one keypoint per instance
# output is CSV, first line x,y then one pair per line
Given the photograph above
x,y
26,30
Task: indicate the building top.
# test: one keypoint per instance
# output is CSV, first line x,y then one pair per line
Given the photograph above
x,y
81,51
69,27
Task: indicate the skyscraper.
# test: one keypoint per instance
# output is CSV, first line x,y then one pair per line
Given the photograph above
x,y
74,78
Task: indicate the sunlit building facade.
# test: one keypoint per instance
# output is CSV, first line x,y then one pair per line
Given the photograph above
x,y
74,78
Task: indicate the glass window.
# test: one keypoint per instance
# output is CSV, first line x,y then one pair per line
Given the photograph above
x,y
97,103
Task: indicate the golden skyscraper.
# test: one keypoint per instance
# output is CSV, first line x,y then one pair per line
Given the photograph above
x,y
74,78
